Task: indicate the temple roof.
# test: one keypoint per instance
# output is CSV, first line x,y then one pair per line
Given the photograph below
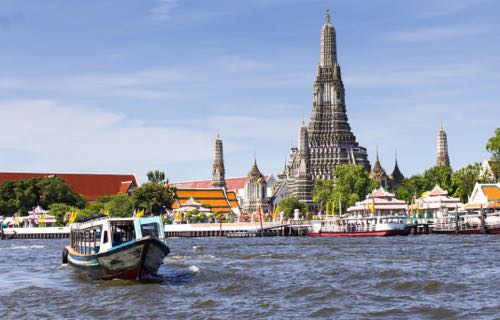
x,y
380,193
236,183
396,173
255,175
216,198
90,186
377,171
438,191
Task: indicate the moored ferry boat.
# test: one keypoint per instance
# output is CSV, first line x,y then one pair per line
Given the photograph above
x,y
123,248
359,227
380,214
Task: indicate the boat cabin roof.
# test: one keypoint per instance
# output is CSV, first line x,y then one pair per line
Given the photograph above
x,y
106,220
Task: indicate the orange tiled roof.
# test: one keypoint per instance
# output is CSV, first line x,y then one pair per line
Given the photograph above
x,y
492,192
233,200
231,183
90,186
215,198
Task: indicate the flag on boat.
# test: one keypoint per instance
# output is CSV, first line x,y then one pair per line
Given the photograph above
x,y
72,217
16,219
134,213
372,207
106,212
140,214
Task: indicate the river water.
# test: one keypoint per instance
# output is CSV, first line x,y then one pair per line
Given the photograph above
x,y
414,277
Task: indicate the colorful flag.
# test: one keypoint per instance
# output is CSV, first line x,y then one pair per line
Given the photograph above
x,y
106,212
134,213
72,217
372,207
140,214
16,219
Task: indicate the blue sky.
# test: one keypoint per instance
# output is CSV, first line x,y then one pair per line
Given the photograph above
x,y
128,86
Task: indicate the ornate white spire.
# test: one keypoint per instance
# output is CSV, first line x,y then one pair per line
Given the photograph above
x,y
328,43
218,171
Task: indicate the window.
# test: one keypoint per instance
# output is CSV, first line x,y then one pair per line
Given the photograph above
x,y
150,229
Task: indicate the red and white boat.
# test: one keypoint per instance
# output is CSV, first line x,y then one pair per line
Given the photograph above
x,y
380,214
360,227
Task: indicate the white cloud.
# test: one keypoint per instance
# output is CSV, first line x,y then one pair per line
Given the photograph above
x,y
437,33
163,9
49,136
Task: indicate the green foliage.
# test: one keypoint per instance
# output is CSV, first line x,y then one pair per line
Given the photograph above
x,y
192,215
59,211
23,195
156,176
323,192
493,145
351,184
120,205
419,183
202,217
289,204
415,185
465,179
153,197
440,175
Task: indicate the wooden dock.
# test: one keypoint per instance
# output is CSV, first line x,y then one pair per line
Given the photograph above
x,y
236,230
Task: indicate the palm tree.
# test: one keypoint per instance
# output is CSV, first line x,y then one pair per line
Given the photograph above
x,y
156,176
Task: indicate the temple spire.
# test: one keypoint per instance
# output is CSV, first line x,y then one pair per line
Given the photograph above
x,y
443,158
328,43
218,171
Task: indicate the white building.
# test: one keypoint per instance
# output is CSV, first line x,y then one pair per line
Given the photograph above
x,y
383,203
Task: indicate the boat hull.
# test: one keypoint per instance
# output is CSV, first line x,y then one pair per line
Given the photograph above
x,y
381,233
138,259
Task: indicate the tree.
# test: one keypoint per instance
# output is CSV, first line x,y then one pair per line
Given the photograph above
x,y
120,205
439,175
289,204
465,179
351,184
55,190
413,186
323,192
23,195
156,176
154,198
493,146
59,211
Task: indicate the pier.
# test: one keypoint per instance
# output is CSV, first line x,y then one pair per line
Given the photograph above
x,y
36,233
239,230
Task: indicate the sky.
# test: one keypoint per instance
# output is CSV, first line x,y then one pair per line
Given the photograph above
x,y
126,86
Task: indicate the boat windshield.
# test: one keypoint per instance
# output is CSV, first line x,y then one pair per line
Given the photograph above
x,y
121,232
150,229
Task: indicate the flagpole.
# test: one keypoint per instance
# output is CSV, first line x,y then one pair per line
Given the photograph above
x,y
261,226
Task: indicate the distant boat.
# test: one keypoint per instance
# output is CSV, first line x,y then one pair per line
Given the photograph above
x,y
360,227
468,224
122,248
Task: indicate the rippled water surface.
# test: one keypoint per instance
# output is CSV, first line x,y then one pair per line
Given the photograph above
x,y
414,277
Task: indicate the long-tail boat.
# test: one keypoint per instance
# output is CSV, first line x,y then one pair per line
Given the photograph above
x,y
123,248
